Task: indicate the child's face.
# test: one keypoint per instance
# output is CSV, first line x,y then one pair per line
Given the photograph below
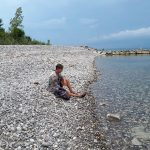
x,y
59,70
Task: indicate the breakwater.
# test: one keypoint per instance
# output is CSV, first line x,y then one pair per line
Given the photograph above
x,y
126,52
120,52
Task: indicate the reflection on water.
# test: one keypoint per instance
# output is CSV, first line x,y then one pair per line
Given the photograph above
x,y
124,85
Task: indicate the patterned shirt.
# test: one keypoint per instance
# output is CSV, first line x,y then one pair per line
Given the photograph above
x,y
54,81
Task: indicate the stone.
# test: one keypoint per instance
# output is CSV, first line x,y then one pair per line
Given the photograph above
x,y
80,128
56,134
113,117
83,128
58,140
36,83
20,109
19,148
18,128
32,140
74,138
102,104
135,141
25,127
55,145
12,128
45,144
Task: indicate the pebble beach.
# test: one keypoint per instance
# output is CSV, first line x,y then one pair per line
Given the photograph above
x,y
33,118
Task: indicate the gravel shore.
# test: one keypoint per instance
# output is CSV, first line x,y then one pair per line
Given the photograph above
x,y
30,116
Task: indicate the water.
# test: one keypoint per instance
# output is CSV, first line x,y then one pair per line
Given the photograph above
x,y
124,86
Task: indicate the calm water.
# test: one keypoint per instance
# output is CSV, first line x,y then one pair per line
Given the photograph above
x,y
124,86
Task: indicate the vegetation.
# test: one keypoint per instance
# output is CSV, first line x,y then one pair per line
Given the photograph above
x,y
16,34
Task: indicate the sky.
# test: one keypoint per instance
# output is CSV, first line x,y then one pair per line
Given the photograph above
x,y
96,23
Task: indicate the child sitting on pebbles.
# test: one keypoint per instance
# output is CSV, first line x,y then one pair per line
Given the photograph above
x,y
56,83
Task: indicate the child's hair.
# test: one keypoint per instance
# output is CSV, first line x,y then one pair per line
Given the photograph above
x,y
59,66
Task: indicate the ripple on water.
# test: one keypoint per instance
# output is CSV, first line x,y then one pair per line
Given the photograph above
x,y
124,87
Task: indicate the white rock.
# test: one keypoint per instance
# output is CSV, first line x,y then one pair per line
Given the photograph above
x,y
102,104
112,117
21,124
31,140
40,141
20,109
45,144
25,127
74,138
19,148
42,131
56,134
83,128
135,141
12,128
80,128
55,145
16,135
18,128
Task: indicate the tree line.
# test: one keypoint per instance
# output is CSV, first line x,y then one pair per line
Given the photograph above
x,y
15,34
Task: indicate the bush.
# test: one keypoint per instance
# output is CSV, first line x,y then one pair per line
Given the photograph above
x,y
17,34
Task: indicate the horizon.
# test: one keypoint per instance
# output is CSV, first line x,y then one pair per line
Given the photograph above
x,y
116,24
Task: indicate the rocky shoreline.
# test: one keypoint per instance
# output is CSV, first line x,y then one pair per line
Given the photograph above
x,y
127,52
119,52
31,117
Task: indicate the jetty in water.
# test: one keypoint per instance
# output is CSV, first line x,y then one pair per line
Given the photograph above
x,y
120,52
127,52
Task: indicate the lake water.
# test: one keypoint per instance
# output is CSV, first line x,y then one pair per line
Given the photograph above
x,y
124,86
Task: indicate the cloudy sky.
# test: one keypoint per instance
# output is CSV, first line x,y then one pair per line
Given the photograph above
x,y
98,23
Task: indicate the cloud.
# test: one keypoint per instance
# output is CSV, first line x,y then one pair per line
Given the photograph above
x,y
141,32
90,22
56,21
53,23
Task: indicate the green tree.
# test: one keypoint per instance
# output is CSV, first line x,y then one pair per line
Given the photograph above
x,y
28,39
2,32
8,40
1,23
16,22
18,35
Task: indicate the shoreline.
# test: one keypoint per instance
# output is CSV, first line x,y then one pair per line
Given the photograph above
x,y
36,117
100,139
